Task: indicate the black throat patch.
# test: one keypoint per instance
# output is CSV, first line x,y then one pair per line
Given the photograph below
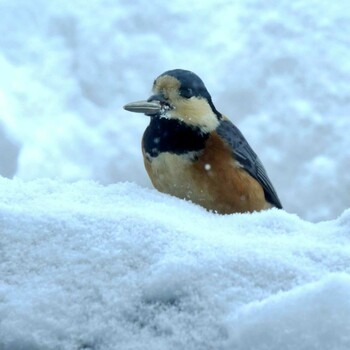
x,y
173,136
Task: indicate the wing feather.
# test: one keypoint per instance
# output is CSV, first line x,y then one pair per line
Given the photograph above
x,y
248,159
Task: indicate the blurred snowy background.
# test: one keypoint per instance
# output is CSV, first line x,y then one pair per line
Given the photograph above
x,y
279,70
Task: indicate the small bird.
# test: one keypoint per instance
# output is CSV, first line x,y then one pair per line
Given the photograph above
x,y
193,152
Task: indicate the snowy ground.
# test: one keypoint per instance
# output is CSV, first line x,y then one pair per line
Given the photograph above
x,y
279,70
84,266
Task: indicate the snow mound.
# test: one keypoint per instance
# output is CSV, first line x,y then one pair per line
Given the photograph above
x,y
85,266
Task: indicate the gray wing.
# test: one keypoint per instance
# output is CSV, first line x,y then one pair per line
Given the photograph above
x,y
244,154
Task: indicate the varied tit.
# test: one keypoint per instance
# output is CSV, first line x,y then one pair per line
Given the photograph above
x,y
193,152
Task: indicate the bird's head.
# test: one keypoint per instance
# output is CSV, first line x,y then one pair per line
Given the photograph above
x,y
180,94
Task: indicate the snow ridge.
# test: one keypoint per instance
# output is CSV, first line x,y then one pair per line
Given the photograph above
x,y
86,266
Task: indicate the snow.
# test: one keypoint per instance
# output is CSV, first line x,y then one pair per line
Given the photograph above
x,y
87,266
278,70
89,261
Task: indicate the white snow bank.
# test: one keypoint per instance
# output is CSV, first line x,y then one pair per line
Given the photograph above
x,y
83,266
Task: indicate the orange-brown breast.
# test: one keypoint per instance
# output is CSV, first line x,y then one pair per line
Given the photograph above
x,y
214,180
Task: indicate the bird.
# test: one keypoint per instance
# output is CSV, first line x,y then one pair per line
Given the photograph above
x,y
193,152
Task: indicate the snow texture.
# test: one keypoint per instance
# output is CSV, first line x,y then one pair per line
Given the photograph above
x,y
279,70
86,266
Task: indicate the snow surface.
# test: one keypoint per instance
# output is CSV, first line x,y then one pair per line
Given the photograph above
x,y
280,70
86,266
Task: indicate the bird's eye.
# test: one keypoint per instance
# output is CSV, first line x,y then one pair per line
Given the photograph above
x,y
186,92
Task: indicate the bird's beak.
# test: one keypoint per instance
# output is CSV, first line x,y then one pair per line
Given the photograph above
x,y
156,104
146,107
